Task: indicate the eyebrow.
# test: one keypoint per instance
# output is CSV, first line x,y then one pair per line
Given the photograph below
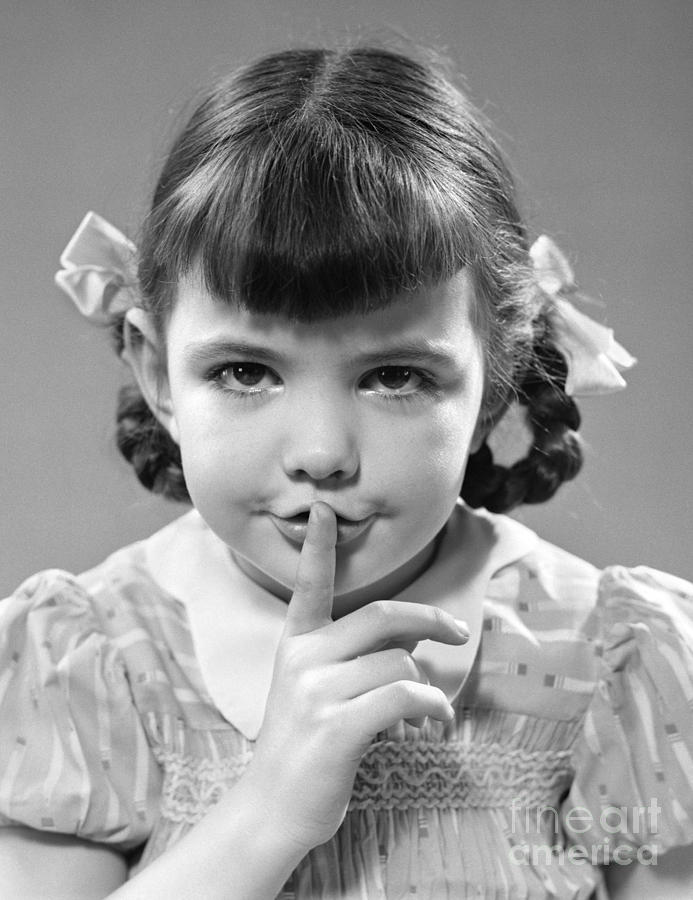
x,y
207,350
421,351
414,351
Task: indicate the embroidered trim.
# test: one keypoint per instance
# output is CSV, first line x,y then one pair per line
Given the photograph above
x,y
420,774
392,775
193,785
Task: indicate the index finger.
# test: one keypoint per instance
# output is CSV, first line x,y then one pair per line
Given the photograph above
x,y
310,606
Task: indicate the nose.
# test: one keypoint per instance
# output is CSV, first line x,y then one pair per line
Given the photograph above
x,y
321,441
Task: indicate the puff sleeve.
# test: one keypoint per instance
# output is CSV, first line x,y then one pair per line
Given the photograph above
x,y
633,786
74,757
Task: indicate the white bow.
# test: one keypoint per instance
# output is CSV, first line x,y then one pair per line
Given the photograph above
x,y
98,271
594,358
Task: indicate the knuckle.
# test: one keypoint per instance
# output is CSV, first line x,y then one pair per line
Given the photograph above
x,y
438,617
291,657
309,687
381,612
405,664
403,692
312,584
304,584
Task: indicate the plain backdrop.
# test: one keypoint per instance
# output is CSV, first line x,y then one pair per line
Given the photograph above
x,y
592,101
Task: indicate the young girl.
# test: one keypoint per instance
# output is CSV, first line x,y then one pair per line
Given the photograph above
x,y
333,677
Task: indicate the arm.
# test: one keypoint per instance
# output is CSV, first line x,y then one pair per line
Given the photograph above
x,y
234,852
335,686
238,851
670,879
38,864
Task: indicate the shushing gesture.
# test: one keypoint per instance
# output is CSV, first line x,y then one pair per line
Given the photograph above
x,y
335,686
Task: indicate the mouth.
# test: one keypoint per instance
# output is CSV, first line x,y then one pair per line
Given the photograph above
x,y
295,527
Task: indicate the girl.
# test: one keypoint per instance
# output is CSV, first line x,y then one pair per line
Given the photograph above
x,y
333,677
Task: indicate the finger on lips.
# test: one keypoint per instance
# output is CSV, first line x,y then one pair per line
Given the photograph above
x,y
311,603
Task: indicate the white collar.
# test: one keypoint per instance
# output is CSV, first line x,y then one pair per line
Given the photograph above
x,y
236,625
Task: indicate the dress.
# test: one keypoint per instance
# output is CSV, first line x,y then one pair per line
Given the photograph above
x,y
573,729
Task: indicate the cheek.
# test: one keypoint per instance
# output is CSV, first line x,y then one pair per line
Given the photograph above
x,y
445,460
220,458
425,458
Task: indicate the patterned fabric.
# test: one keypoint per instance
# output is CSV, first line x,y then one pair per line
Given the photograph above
x,y
579,700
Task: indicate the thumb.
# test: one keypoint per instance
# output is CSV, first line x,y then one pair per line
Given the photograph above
x,y
311,603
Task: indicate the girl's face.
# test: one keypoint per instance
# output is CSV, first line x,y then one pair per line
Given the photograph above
x,y
375,414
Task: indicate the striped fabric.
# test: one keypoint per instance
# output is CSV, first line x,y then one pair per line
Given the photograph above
x,y
573,735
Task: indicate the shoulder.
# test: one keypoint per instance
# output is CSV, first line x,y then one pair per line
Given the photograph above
x,y
628,593
57,632
547,583
118,593
48,610
561,574
112,628
72,749
539,579
636,746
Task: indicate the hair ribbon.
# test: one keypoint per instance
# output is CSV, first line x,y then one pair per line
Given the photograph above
x,y
99,275
99,270
594,358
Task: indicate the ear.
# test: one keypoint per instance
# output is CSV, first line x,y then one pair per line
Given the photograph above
x,y
489,416
144,352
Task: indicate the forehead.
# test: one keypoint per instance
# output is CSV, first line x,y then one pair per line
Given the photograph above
x,y
445,313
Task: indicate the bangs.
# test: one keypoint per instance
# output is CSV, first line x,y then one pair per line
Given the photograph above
x,y
302,230
312,206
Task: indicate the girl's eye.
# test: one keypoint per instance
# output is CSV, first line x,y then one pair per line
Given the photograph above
x,y
248,374
245,377
394,380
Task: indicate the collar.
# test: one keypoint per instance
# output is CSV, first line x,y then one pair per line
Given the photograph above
x,y
236,625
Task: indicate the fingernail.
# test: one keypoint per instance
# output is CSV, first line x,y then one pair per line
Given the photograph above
x,y
463,628
319,509
322,520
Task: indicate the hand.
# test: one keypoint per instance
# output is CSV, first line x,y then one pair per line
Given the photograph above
x,y
335,686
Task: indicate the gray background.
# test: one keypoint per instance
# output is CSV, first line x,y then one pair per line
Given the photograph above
x,y
593,102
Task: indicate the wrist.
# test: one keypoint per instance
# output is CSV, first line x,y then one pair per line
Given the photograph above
x,y
271,817
237,851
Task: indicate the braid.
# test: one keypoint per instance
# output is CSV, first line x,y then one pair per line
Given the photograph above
x,y
555,455
148,447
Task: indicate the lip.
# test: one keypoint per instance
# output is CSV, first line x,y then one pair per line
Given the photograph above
x,y
295,527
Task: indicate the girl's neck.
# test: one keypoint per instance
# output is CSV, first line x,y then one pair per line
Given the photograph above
x,y
187,559
382,589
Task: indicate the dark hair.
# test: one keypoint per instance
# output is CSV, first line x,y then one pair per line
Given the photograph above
x,y
314,183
